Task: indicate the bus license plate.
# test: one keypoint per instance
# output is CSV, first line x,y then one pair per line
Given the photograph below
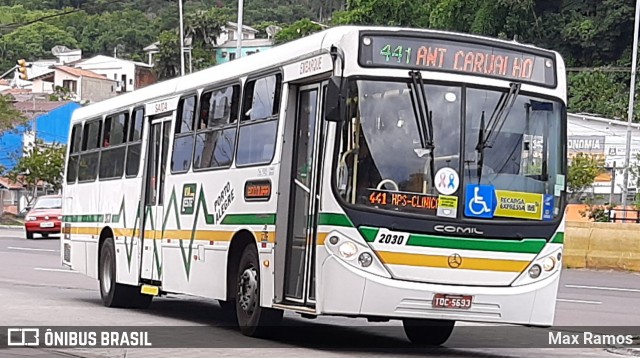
x,y
441,300
46,224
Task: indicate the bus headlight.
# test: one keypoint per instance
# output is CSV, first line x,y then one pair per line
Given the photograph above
x,y
365,259
548,263
353,252
535,271
348,250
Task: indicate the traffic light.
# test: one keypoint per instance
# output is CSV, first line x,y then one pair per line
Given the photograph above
x,y
22,69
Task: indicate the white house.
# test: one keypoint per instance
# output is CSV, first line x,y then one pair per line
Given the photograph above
x,y
129,75
83,85
228,33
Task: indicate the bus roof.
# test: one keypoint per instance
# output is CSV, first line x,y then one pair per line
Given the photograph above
x,y
275,56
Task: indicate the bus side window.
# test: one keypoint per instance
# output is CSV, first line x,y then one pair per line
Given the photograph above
x,y
216,135
134,142
90,156
74,153
183,140
114,150
259,123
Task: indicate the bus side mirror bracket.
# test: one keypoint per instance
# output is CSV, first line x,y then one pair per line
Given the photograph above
x,y
335,104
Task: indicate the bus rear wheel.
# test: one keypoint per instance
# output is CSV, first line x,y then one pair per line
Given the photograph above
x,y
427,332
116,294
254,321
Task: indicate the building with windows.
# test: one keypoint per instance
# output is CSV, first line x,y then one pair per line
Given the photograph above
x,y
605,138
129,75
75,84
227,51
226,43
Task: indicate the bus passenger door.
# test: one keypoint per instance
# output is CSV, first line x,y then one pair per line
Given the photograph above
x,y
304,198
156,166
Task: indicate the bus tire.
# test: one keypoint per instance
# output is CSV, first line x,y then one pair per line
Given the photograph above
x,y
253,320
427,332
113,294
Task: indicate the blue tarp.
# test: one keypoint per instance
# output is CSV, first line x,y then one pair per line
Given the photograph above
x,y
50,127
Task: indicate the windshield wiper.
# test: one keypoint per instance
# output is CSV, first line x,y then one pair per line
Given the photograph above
x,y
424,119
487,136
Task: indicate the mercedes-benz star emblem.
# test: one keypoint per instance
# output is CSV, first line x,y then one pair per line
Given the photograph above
x,y
455,261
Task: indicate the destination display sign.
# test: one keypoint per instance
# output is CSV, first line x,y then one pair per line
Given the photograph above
x,y
455,56
257,190
403,201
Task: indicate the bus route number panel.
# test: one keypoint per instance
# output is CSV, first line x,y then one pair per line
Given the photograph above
x,y
470,58
402,201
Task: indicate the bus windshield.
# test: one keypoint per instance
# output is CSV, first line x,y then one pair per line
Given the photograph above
x,y
499,140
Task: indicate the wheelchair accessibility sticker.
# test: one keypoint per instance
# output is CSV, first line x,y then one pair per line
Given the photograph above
x,y
479,201
484,201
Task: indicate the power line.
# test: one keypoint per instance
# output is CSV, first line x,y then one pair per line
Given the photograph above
x,y
15,25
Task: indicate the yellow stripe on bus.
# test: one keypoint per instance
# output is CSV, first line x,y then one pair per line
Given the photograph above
x,y
468,263
205,235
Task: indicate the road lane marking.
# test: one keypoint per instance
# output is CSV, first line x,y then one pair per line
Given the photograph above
x,y
604,288
54,270
31,249
579,301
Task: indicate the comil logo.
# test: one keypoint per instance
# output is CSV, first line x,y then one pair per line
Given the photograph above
x,y
458,229
23,337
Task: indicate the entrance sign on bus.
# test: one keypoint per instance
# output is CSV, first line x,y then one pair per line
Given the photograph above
x,y
165,105
308,67
459,57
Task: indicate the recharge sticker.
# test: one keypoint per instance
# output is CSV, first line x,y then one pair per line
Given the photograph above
x,y
519,205
447,206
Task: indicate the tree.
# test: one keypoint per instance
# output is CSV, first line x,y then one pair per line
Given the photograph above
x,y
598,93
168,57
41,164
10,117
32,42
583,170
297,30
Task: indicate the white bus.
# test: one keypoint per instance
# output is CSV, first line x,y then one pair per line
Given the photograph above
x,y
386,173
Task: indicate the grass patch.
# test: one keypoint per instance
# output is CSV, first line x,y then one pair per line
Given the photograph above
x,y
11,220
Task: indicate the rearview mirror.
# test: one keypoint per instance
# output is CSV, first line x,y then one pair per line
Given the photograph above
x,y
334,102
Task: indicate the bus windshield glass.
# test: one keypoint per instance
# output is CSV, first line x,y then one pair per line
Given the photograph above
x,y
501,145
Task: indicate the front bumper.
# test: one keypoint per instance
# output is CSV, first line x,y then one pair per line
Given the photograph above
x,y
34,227
350,291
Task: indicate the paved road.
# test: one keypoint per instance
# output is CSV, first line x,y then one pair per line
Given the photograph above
x,y
36,290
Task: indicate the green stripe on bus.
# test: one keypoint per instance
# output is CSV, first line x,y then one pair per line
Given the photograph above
x,y
83,218
526,246
558,238
334,219
249,219
369,233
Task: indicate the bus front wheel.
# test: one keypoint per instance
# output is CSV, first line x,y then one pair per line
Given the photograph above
x,y
254,321
427,332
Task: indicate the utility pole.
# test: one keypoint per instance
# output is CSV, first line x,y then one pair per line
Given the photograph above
x,y
634,60
181,39
239,42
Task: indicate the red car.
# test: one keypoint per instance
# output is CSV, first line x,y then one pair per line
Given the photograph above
x,y
45,217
